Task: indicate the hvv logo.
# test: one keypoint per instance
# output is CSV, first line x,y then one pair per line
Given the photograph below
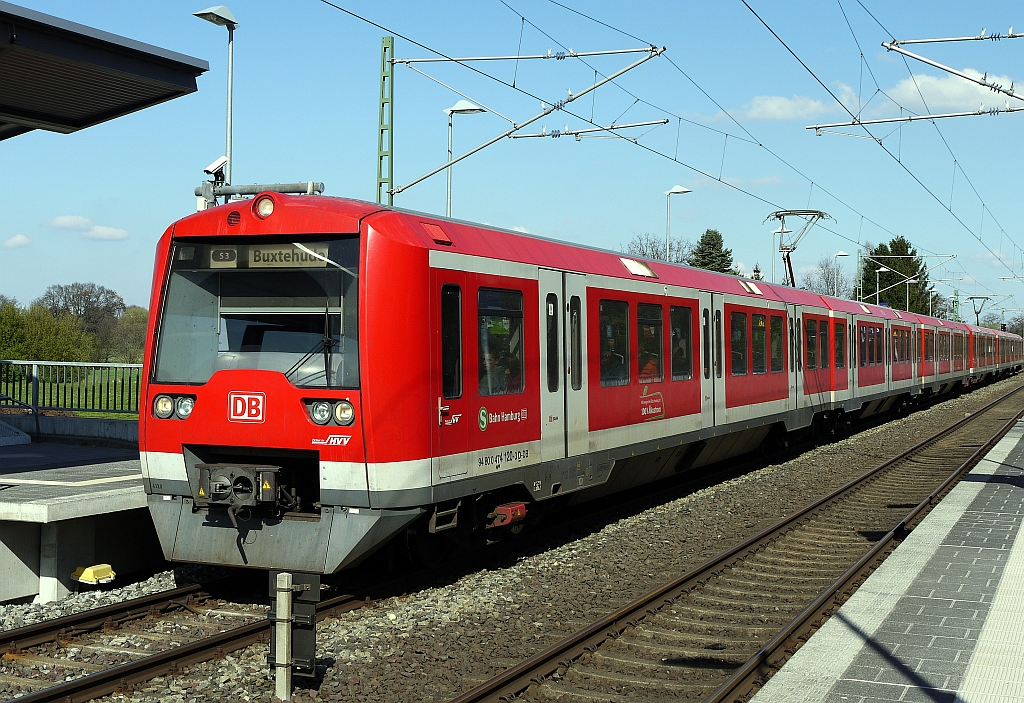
x,y
245,406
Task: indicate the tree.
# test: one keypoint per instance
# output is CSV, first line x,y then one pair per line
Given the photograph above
x,y
710,253
903,262
37,335
990,320
649,246
96,308
7,300
826,278
756,273
129,339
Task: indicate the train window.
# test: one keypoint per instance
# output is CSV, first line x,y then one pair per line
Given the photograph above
x,y
575,343
451,341
811,330
614,343
551,328
649,340
879,347
242,304
682,358
707,345
738,343
917,348
500,335
863,345
929,346
799,346
718,343
840,345
823,344
777,327
759,343
895,346
792,358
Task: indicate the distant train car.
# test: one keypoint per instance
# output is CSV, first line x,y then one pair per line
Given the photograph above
x,y
326,374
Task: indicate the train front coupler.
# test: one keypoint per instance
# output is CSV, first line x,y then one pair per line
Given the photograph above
x,y
240,486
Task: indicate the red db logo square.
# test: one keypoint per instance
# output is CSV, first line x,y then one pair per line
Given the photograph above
x,y
244,406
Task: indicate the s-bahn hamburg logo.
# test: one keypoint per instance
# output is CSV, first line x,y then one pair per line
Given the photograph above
x,y
481,419
333,440
246,406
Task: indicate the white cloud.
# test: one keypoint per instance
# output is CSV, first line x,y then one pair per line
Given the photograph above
x,y
75,222
18,240
107,233
996,259
776,107
948,92
84,225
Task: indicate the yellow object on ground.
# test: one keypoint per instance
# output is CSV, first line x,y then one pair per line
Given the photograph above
x,y
100,573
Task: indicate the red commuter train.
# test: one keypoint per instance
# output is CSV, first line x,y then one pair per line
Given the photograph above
x,y
325,374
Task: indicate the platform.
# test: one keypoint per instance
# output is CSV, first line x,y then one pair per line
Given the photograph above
x,y
64,506
942,619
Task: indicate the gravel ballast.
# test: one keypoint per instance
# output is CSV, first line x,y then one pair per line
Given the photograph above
x,y
508,604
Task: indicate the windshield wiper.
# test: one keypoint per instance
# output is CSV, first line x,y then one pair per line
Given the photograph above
x,y
325,344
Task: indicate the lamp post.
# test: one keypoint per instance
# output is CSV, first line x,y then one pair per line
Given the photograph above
x,y
931,294
674,190
781,231
221,15
880,269
908,282
836,260
462,107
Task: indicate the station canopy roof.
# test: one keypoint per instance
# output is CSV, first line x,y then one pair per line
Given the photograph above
x,y
62,76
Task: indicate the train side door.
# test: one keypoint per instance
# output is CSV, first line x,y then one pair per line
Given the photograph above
x,y
705,354
719,330
552,377
795,361
453,311
577,424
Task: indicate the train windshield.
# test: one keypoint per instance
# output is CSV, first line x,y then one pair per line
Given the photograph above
x,y
285,306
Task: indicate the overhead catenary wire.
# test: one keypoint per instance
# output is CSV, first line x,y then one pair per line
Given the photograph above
x,y
724,181
884,148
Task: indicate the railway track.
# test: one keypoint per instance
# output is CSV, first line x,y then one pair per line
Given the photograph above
x,y
719,631
45,645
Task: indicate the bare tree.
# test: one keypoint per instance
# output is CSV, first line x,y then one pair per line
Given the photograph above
x,y
650,246
826,278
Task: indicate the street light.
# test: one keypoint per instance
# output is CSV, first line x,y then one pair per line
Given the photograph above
x,y
462,107
221,15
781,231
931,294
836,259
674,190
908,282
880,269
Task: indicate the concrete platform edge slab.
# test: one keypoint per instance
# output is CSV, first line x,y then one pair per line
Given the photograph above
x,y
812,672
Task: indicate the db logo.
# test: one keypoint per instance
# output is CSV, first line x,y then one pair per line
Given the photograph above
x,y
246,407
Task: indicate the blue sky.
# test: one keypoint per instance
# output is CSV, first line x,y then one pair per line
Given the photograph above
x,y
91,205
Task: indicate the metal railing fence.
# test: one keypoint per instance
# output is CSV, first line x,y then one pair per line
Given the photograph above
x,y
81,387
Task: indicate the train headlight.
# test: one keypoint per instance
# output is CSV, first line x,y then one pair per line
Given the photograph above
x,y
265,207
183,406
163,407
320,411
344,413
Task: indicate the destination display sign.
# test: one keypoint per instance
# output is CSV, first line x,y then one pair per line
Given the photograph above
x,y
288,256
313,255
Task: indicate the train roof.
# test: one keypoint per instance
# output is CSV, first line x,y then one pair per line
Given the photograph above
x,y
330,215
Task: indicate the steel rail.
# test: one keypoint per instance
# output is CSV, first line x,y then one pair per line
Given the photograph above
x,y
87,620
771,657
516,679
171,661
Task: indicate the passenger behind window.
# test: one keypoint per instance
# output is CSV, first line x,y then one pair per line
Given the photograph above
x,y
613,365
493,379
650,372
